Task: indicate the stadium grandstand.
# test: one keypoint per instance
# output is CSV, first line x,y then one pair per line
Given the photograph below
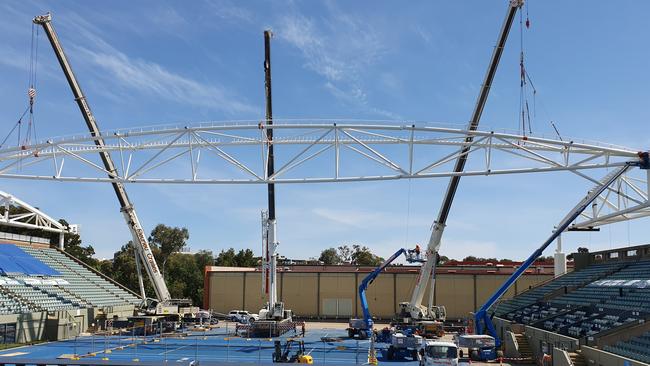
x,y
597,312
46,294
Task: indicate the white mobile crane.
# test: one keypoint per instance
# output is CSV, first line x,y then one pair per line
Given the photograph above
x,y
414,310
274,309
164,304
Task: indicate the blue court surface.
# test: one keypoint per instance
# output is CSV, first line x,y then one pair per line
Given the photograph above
x,y
213,347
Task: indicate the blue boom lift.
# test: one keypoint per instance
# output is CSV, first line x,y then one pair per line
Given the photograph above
x,y
483,321
363,327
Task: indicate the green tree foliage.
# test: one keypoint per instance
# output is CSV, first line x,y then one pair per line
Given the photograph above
x,y
73,246
124,271
361,256
330,257
243,258
345,253
167,240
185,274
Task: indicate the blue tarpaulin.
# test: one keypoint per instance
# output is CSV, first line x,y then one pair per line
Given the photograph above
x,y
14,260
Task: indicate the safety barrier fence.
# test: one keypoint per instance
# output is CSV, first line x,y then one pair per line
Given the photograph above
x,y
199,347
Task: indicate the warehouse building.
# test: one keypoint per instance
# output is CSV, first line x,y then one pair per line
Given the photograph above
x,y
330,292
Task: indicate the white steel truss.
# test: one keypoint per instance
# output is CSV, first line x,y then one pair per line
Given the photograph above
x,y
145,152
324,151
627,199
29,217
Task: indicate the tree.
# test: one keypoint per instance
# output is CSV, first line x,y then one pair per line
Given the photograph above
x,y
243,258
583,250
72,245
345,253
168,240
470,258
329,257
362,256
226,258
123,270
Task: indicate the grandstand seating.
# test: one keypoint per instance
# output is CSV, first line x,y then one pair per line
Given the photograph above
x,y
599,298
571,279
67,284
637,348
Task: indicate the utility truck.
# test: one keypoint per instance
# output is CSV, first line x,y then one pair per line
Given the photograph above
x,y
438,353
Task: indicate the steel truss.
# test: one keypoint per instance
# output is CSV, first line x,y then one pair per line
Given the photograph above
x,y
325,151
29,217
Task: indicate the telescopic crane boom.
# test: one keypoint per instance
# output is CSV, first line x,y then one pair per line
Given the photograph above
x,y
414,308
139,238
482,320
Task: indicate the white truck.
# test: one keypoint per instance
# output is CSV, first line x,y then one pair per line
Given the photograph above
x,y
438,353
242,316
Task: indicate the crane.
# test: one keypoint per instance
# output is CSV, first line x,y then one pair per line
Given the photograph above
x,y
414,309
482,321
274,309
363,327
140,241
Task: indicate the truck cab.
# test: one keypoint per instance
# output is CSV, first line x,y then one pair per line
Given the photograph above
x,y
438,353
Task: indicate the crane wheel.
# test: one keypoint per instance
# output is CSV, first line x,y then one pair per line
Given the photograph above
x,y
390,354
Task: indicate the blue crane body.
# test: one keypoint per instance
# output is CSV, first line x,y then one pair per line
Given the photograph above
x,y
482,318
363,326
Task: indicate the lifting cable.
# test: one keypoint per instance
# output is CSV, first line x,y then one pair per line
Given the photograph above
x,y
526,117
24,142
408,214
525,80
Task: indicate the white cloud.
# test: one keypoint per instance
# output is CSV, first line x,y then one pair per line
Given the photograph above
x,y
226,10
151,78
341,49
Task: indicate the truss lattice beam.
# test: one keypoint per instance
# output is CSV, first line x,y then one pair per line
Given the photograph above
x,y
390,151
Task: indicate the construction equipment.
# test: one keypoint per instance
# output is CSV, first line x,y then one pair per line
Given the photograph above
x,y
403,345
164,303
274,309
482,320
432,329
436,353
414,310
479,347
363,327
281,355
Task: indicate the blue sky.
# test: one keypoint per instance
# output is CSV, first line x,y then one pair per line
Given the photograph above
x,y
157,62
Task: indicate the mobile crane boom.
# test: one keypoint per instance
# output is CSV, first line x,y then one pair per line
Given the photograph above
x,y
368,280
139,238
414,307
